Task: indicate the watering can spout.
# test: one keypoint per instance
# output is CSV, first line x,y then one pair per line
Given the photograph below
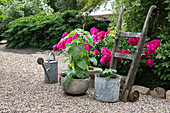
x,y
41,62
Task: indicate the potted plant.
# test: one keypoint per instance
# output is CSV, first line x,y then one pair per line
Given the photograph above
x,y
92,71
107,86
77,78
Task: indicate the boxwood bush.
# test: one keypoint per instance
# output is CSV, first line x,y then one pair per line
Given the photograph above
x,y
43,31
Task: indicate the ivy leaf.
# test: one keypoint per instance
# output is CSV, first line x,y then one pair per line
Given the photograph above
x,y
76,50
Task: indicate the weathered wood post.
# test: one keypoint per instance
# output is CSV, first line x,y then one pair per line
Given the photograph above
x,y
113,63
134,66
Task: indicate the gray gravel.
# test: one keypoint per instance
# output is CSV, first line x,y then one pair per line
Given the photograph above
x,y
22,89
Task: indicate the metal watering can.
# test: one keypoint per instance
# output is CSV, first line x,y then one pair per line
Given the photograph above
x,y
50,68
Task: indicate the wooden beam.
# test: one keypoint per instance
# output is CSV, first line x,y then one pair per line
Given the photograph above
x,y
129,34
113,63
134,66
123,55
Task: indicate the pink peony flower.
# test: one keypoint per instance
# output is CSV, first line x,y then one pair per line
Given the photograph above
x,y
73,37
133,41
156,42
104,51
147,44
101,35
55,47
151,49
65,34
108,27
119,51
76,35
62,45
107,56
149,62
95,52
94,31
69,39
137,27
126,51
103,61
144,56
107,32
88,48
84,45
109,63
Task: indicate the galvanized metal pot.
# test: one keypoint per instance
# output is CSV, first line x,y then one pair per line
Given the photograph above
x,y
107,90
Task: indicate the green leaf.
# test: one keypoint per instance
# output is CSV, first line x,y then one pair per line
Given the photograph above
x,y
68,78
79,72
76,50
89,38
66,70
94,60
66,60
83,63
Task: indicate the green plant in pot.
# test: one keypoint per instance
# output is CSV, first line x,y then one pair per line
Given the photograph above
x,y
77,77
107,73
107,86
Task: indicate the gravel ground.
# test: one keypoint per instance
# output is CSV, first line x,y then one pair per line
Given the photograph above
x,y
22,89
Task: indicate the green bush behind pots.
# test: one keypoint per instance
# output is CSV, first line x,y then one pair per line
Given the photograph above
x,y
43,31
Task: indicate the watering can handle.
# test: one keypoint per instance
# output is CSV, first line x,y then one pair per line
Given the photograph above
x,y
50,55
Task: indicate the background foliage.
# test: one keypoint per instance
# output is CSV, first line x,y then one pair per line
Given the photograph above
x,y
135,14
14,9
43,31
63,5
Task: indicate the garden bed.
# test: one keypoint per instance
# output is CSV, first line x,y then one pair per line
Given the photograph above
x,y
22,89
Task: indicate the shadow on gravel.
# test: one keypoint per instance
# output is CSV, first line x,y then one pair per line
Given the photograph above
x,y
23,51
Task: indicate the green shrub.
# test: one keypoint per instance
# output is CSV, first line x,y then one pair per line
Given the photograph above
x,y
162,62
43,31
135,14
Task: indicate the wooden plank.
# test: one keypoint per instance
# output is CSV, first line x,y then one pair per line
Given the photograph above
x,y
134,66
113,63
120,18
129,34
123,55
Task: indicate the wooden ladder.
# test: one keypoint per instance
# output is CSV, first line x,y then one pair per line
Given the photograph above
x,y
135,58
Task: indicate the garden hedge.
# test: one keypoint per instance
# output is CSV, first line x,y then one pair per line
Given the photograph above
x,y
43,31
